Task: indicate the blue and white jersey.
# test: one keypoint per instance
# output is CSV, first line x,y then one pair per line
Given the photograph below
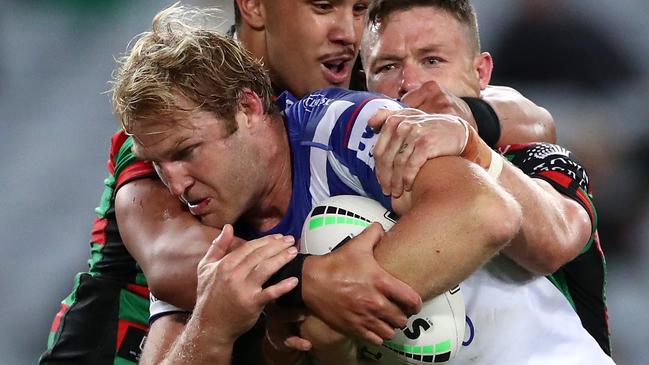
x,y
331,150
513,317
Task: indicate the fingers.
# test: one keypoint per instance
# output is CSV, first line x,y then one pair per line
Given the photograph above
x,y
403,155
378,119
369,238
428,97
262,261
382,158
275,291
372,338
399,293
411,168
219,247
415,98
270,244
298,343
270,260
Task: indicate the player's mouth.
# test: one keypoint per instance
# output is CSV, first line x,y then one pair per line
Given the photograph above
x,y
198,207
337,69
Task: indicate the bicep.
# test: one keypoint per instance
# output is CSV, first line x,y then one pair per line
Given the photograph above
x,y
163,237
574,213
521,120
146,212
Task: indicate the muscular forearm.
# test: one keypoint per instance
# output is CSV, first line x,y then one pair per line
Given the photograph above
x,y
199,345
452,222
554,229
164,238
521,120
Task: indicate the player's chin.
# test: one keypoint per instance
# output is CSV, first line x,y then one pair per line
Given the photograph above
x,y
213,220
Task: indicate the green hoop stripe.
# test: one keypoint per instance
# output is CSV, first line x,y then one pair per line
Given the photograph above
x,y
440,352
321,221
438,348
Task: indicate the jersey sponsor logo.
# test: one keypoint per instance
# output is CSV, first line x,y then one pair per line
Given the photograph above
x,y
316,100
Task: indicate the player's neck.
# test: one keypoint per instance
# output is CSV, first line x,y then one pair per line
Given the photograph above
x,y
253,40
274,201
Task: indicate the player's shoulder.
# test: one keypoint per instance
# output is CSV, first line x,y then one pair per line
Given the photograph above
x,y
539,155
548,161
120,146
326,100
122,164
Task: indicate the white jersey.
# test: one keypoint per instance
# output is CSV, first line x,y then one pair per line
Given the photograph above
x,y
514,317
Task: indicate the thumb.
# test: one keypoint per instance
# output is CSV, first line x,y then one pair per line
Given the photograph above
x,y
415,98
371,236
378,119
220,246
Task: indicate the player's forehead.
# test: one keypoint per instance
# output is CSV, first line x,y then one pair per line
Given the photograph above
x,y
156,144
419,30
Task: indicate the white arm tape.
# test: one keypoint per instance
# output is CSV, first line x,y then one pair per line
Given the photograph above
x,y
159,308
496,165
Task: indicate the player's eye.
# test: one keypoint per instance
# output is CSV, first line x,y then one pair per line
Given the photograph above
x,y
385,68
184,154
432,61
322,6
360,8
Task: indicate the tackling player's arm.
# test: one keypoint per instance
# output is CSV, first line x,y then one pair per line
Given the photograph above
x,y
163,237
521,119
454,220
555,227
517,119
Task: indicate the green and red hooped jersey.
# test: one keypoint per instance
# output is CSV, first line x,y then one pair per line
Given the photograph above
x,y
104,320
582,280
108,255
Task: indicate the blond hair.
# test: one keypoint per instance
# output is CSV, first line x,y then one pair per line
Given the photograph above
x,y
181,59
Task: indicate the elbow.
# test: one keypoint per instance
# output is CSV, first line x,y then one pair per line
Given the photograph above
x,y
547,126
501,219
157,282
550,262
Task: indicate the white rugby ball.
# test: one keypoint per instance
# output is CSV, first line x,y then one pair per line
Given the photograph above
x,y
432,336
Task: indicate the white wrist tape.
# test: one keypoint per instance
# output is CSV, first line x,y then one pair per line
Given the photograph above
x,y
466,135
496,165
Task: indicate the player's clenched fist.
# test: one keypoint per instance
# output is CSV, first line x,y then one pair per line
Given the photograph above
x,y
230,296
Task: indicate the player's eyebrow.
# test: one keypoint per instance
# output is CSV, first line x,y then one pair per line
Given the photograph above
x,y
386,57
164,154
430,48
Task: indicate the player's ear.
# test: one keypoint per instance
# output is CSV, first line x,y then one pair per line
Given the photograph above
x,y
483,65
252,107
252,13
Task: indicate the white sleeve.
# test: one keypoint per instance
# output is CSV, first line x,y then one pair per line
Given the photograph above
x,y
159,308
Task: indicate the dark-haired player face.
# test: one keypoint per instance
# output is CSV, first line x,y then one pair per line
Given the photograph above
x,y
313,44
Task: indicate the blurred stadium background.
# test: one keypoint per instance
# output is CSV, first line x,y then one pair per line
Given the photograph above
x,y
582,59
